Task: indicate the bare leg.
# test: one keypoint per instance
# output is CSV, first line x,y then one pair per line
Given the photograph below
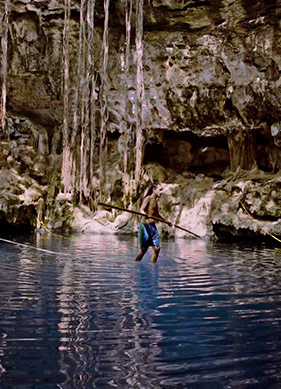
x,y
140,255
156,251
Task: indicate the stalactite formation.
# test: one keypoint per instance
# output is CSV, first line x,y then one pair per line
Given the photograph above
x,y
77,171
100,98
127,123
79,122
103,104
92,93
140,91
67,155
4,45
242,148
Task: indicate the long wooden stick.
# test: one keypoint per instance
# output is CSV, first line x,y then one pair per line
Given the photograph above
x,y
144,214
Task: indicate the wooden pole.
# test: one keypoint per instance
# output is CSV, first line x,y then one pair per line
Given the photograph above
x,y
144,214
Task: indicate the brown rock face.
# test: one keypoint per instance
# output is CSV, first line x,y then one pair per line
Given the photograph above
x,y
102,92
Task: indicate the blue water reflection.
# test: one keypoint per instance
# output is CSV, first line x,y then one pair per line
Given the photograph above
x,y
205,315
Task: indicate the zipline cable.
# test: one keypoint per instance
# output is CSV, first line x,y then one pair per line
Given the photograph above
x,y
29,247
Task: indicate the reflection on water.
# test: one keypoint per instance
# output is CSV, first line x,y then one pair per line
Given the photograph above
x,y
205,315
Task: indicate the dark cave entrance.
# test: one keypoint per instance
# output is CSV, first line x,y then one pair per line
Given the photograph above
x,y
186,151
209,154
10,229
22,226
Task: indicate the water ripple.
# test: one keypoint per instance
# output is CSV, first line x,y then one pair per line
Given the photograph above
x,y
205,315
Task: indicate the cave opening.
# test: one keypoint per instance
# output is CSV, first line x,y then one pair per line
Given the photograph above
x,y
205,154
11,229
22,225
267,153
154,152
188,152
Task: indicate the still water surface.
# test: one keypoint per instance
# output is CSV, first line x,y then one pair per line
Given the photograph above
x,y
204,316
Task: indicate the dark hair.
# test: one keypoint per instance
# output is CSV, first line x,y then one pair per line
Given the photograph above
x,y
150,189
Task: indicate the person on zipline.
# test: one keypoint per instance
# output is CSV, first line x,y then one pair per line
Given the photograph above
x,y
148,234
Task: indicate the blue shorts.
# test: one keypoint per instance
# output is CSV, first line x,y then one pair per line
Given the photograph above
x,y
148,236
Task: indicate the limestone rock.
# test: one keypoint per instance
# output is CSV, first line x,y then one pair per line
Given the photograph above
x,y
210,126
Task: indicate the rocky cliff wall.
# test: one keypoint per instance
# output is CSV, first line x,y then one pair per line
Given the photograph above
x,y
208,125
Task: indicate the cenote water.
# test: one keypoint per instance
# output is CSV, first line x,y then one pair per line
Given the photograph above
x,y
206,315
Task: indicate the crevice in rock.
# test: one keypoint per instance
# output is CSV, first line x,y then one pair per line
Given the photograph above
x,y
186,151
9,229
229,234
257,9
210,155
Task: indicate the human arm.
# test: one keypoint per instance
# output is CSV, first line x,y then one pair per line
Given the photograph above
x,y
145,205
